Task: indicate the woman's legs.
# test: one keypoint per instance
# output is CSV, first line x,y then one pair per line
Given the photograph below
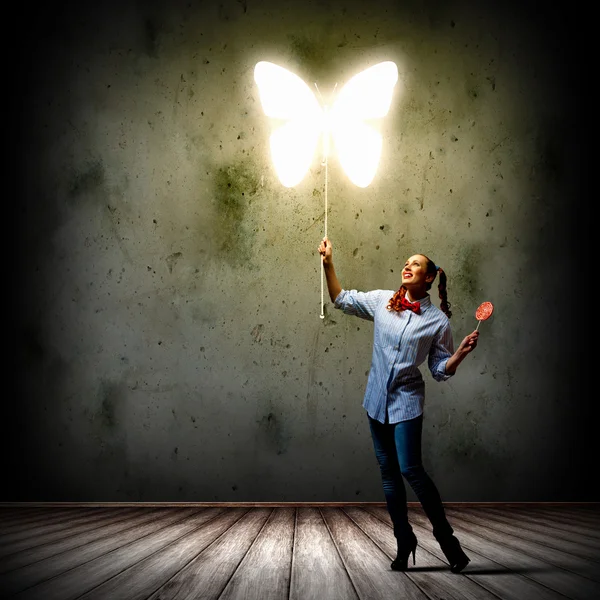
x,y
398,451
391,477
407,438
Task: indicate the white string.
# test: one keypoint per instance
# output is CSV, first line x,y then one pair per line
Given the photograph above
x,y
322,315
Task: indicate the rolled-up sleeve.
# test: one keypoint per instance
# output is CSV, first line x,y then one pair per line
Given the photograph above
x,y
441,350
358,304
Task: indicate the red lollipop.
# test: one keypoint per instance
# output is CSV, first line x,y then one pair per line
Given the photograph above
x,y
484,312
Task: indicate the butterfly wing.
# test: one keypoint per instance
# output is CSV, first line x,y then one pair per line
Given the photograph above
x,y
358,147
285,96
368,95
365,96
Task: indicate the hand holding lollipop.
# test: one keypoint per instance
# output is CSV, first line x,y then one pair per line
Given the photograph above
x,y
484,312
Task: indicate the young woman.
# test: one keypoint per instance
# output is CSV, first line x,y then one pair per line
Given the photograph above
x,y
408,329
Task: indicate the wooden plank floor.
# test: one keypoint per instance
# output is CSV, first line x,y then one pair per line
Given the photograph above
x,y
293,552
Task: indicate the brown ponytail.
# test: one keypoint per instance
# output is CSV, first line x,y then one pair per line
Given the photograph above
x,y
444,304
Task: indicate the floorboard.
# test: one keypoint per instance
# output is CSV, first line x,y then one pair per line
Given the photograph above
x,y
82,536
539,546
89,574
197,566
272,549
579,544
368,566
292,551
82,554
71,534
549,523
430,574
17,532
318,572
518,556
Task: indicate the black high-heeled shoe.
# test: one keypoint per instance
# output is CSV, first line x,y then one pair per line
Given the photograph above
x,y
400,563
455,554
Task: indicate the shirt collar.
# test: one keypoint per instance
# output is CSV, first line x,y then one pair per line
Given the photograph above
x,y
425,302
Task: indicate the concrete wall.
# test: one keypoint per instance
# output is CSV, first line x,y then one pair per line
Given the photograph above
x,y
168,341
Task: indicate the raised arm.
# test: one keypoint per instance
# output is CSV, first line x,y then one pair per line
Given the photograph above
x,y
333,284
468,344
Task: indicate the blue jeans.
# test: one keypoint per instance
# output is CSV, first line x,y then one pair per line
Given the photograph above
x,y
398,451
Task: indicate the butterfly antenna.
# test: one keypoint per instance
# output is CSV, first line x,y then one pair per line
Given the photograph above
x,y
319,91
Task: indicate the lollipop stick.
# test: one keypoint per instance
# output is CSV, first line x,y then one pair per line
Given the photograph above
x,y
322,315
478,324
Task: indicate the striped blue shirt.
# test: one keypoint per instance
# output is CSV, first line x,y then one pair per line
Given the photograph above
x,y
401,342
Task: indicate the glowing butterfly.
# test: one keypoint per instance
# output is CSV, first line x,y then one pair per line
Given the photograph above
x,y
285,96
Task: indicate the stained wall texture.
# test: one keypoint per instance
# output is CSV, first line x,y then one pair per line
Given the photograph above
x,y
168,342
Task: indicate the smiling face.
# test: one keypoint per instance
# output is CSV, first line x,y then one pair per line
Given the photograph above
x,y
415,277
